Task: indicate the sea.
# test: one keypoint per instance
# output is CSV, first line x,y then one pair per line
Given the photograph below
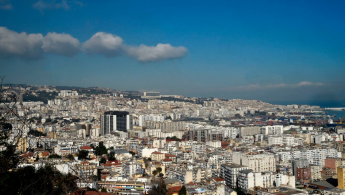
x,y
337,114
322,104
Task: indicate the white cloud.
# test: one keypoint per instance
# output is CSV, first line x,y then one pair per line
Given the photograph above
x,y
306,83
63,44
42,5
111,45
156,53
22,45
103,43
33,46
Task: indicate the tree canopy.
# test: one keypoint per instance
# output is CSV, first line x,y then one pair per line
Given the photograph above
x,y
45,180
182,191
54,156
36,133
111,156
101,149
103,161
83,154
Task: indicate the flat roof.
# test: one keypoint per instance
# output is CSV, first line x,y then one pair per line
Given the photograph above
x,y
116,113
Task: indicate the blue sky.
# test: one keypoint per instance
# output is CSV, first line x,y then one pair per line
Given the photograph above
x,y
268,50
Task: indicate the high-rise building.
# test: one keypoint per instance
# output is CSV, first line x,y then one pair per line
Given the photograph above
x,y
299,163
230,172
341,177
116,120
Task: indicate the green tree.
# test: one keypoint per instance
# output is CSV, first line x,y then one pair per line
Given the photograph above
x,y
70,157
182,191
239,191
237,115
83,154
159,169
132,153
111,156
45,180
101,149
103,190
36,133
54,156
94,177
103,161
155,172
159,189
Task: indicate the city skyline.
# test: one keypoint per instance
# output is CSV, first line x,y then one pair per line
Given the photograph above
x,y
267,50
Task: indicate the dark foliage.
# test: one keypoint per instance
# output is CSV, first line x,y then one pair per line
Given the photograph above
x,y
45,180
159,189
75,120
159,169
174,138
111,156
132,153
101,149
54,156
36,133
70,157
182,191
42,96
83,154
239,191
103,161
103,190
8,160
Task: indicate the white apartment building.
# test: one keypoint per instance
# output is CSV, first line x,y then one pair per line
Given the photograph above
x,y
256,161
146,152
272,140
279,140
247,180
250,130
315,172
230,132
165,126
284,180
67,93
158,143
230,172
214,144
314,156
131,168
284,156
272,130
151,117
199,148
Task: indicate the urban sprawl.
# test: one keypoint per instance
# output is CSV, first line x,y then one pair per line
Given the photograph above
x,y
128,142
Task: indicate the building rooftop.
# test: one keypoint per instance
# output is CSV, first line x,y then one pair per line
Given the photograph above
x,y
285,190
116,113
